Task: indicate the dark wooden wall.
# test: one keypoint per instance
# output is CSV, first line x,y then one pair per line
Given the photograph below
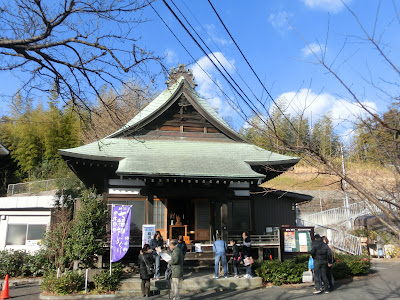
x,y
269,210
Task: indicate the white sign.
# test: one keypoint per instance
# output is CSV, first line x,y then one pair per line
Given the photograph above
x,y
148,231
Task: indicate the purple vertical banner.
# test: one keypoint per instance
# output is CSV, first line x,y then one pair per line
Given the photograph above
x,y
120,228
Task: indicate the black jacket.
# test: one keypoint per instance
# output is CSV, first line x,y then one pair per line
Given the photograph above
x,y
183,248
235,252
320,252
246,249
148,256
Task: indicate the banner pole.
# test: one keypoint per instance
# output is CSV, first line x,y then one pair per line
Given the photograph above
x,y
112,211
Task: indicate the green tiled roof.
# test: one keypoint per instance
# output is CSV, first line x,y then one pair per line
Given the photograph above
x,y
181,158
159,102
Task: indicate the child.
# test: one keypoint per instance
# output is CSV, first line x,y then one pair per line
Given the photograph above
x,y
311,267
235,257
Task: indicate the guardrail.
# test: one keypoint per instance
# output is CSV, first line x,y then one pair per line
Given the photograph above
x,y
31,187
339,239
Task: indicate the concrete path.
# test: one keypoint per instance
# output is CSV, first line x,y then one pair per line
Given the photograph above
x,y
383,283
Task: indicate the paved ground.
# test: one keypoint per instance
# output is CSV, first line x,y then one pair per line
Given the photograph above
x,y
383,283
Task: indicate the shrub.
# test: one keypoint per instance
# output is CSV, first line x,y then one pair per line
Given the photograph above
x,y
340,270
22,264
67,283
104,282
291,271
279,273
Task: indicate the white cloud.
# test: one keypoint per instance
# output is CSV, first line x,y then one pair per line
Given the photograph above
x,y
170,57
313,106
333,6
212,32
206,87
311,49
280,21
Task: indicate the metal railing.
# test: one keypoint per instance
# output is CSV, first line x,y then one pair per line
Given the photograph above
x,y
31,187
339,239
336,215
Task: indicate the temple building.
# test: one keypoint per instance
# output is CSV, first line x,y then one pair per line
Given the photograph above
x,y
183,168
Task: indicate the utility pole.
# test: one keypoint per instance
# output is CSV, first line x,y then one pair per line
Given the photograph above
x,y
346,196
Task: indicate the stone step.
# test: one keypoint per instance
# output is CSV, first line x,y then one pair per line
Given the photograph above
x,y
191,283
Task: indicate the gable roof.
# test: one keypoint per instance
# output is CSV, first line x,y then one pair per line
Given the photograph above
x,y
134,155
166,99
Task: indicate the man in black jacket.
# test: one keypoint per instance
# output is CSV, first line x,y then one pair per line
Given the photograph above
x,y
321,254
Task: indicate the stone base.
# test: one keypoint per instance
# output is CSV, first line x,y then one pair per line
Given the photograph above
x,y
191,284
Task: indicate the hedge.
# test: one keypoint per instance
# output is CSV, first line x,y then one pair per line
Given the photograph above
x,y
291,271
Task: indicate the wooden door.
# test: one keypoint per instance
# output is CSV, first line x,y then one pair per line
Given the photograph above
x,y
160,216
202,220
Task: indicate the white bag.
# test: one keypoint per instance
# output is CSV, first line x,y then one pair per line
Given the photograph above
x,y
308,276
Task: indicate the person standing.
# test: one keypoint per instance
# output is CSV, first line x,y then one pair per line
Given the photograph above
x,y
235,257
219,249
246,252
182,245
156,244
330,264
321,254
176,264
146,262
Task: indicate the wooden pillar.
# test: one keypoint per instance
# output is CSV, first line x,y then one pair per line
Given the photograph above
x,y
224,222
150,209
260,254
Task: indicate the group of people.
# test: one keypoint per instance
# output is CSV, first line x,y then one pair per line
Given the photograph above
x,y
321,262
220,248
149,263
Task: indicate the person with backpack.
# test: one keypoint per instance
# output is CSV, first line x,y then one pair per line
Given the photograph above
x,y
321,254
146,268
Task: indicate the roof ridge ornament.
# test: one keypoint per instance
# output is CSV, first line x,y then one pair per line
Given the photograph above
x,y
176,73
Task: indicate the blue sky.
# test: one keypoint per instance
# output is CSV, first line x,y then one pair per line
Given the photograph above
x,y
268,33
271,34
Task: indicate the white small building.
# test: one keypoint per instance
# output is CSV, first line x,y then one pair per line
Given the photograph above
x,y
24,220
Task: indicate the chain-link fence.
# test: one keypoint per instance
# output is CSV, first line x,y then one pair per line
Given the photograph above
x,y
31,187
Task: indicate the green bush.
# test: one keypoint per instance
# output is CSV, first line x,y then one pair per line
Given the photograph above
x,y
291,271
356,264
105,283
67,283
22,264
279,273
340,270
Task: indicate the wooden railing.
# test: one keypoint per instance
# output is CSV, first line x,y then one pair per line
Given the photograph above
x,y
259,240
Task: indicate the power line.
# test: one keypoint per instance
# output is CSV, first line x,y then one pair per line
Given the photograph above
x,y
244,116
237,46
211,52
237,71
198,44
248,63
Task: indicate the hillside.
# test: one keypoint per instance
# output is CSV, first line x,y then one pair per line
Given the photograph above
x,y
327,189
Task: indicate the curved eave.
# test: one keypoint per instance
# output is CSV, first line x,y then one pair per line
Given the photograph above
x,y
3,150
65,153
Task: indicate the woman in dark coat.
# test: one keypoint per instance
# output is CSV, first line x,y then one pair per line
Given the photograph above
x,y
146,261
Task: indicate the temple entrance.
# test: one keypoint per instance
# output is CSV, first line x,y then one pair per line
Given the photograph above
x,y
189,217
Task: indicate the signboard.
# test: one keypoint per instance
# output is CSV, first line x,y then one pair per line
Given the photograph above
x,y
120,227
297,239
148,231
